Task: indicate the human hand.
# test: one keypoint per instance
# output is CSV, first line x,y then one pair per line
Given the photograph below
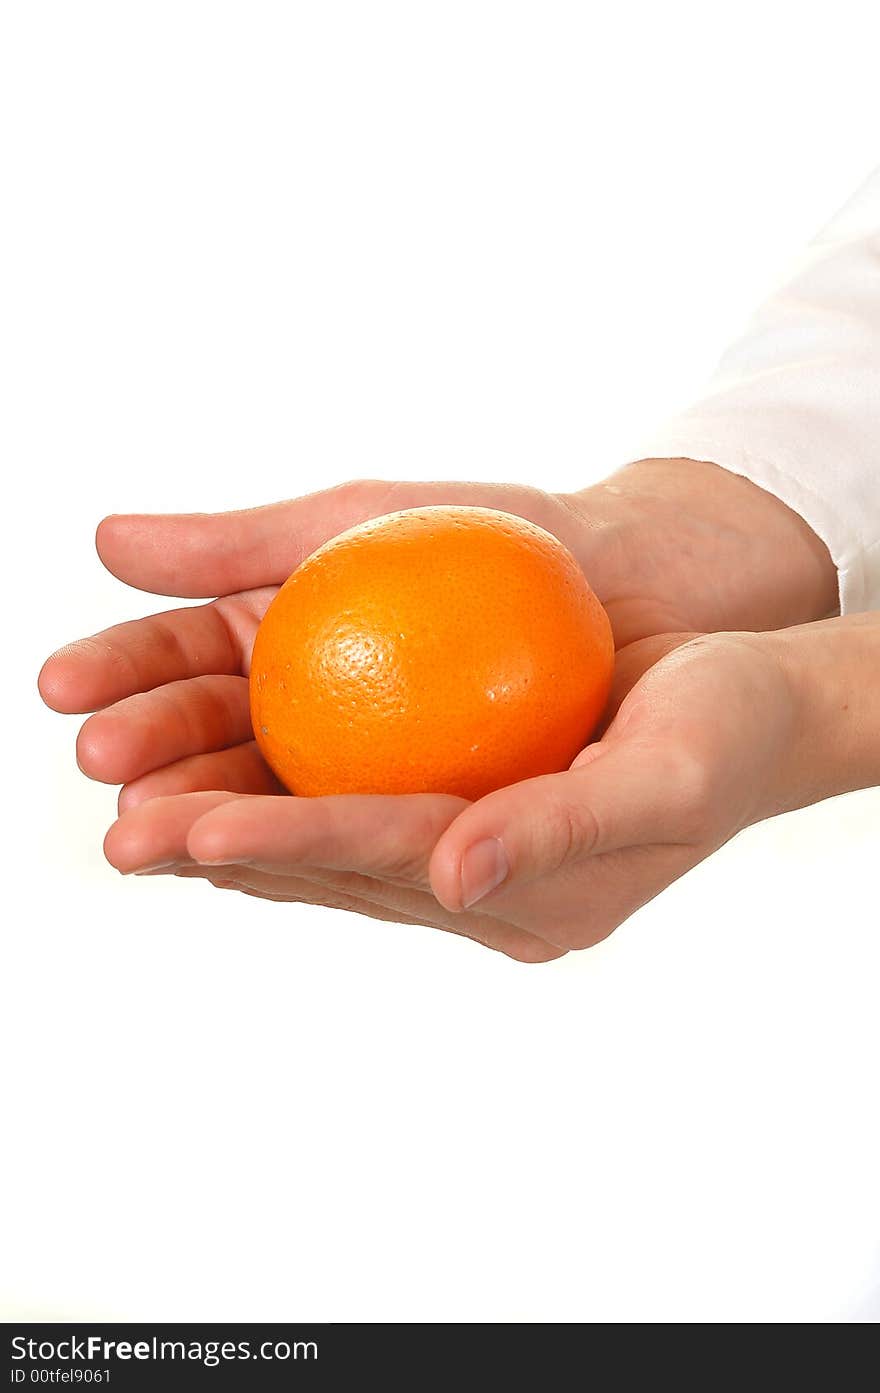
x,y
560,860
171,690
667,546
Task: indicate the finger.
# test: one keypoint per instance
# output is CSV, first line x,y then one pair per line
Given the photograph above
x,y
153,729
619,793
145,653
197,554
404,904
240,769
377,900
375,835
154,834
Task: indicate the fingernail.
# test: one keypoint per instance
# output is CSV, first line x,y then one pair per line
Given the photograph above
x,y
153,868
483,867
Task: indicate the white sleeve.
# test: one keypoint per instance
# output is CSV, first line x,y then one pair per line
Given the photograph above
x,y
795,403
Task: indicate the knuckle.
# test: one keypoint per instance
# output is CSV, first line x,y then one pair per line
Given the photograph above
x,y
365,490
692,785
570,830
533,954
572,935
364,498
579,933
361,481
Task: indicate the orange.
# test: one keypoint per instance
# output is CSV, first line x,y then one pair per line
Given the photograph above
x,y
444,649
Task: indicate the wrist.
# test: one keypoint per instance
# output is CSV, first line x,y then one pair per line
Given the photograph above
x,y
738,556
835,745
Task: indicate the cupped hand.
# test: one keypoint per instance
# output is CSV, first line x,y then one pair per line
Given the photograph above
x,y
170,691
667,546
533,870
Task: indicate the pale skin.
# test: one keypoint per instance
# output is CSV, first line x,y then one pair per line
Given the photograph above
x,y
736,698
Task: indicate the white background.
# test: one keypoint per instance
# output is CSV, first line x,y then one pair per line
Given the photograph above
x,y
252,249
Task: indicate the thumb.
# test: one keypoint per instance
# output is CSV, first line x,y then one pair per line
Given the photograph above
x,y
618,793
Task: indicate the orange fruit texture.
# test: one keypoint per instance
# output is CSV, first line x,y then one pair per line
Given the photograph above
x,y
436,650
